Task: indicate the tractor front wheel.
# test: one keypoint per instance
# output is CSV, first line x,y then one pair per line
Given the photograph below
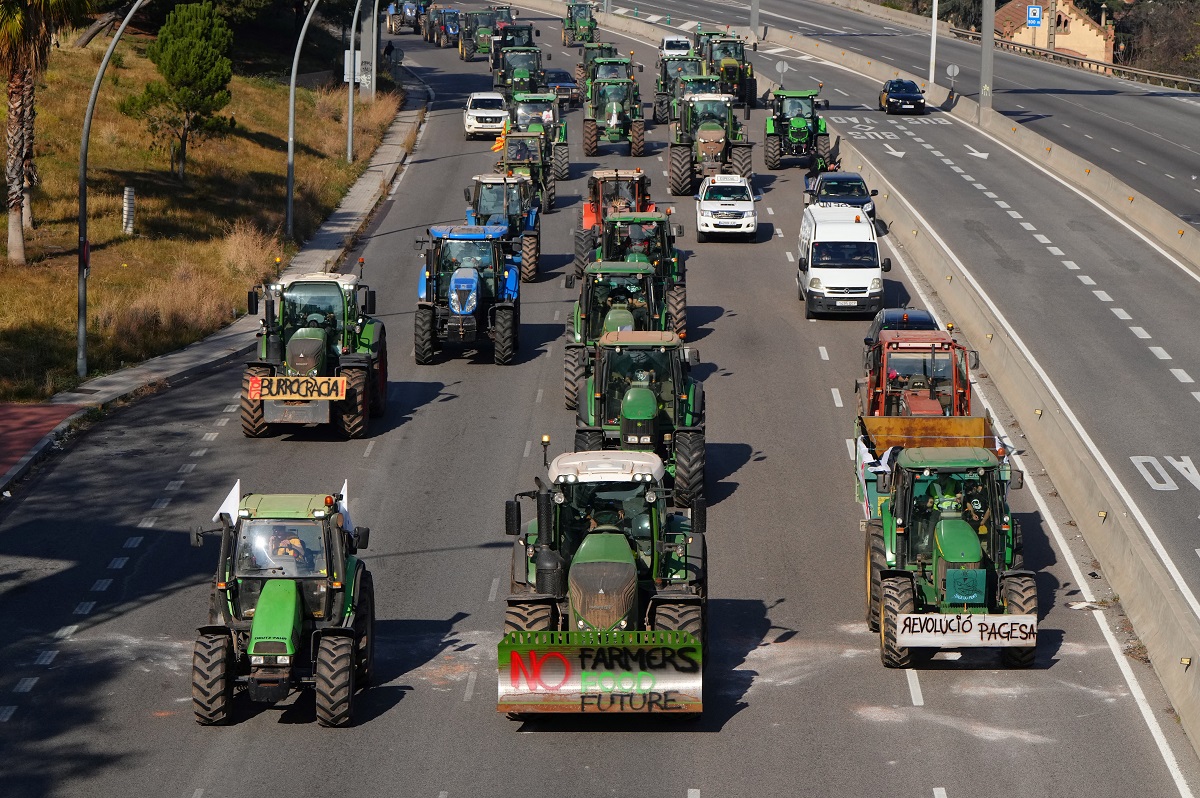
x,y
689,467
574,365
562,161
585,247
1020,598
253,422
334,681
680,618
637,138
751,95
661,109
591,138
528,618
354,411
212,679
876,562
677,310
896,599
773,152
743,161
681,171
379,380
589,440
550,195
423,336
823,150
469,51
531,250
506,336
364,627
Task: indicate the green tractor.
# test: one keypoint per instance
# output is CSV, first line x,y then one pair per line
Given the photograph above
x,y
322,358
707,140
613,296
686,86
795,129
510,36
589,53
477,28
607,609
944,560
641,396
612,112
538,113
579,25
726,58
521,72
649,238
292,607
521,154
670,71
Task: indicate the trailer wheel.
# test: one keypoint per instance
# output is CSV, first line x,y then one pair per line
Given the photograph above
x,y
423,336
251,411
353,413
1020,598
689,467
896,598
587,440
530,254
876,562
212,679
573,370
334,681
364,625
528,618
773,152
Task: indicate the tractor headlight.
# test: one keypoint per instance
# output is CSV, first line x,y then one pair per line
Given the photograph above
x,y
651,497
469,307
311,373
257,660
876,284
580,623
815,284
645,439
624,622
283,659
631,439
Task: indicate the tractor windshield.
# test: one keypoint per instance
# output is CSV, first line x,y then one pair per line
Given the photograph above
x,y
605,507
618,193
450,18
939,371
710,111
581,13
521,37
734,50
611,71
540,111
280,548
313,305
647,368
845,255
971,496
618,301
471,254
521,150
521,60
492,198
797,107
614,93
683,67
624,240
483,19
504,15
840,189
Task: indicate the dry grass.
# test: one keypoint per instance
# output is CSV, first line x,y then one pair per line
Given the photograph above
x,y
197,246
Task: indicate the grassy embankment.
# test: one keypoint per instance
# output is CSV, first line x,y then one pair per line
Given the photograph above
x,y
198,245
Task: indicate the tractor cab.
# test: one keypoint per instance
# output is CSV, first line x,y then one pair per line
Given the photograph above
x,y
522,150
617,296
535,113
504,16
917,373
500,200
635,240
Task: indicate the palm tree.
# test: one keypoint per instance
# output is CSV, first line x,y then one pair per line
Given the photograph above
x,y
26,30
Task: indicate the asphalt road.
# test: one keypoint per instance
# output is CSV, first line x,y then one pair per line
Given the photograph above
x,y
100,593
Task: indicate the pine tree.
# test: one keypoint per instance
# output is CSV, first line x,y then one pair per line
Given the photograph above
x,y
190,53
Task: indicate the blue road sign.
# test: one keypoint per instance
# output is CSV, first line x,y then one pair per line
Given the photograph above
x,y
1033,17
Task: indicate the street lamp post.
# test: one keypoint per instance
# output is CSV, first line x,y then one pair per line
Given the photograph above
x,y
291,154
987,41
353,81
84,250
370,90
933,46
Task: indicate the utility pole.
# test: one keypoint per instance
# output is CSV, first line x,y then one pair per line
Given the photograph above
x,y
291,153
754,19
933,45
987,41
352,83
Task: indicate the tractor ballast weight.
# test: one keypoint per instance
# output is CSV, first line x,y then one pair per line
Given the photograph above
x,y
609,191
607,611
916,373
468,291
945,565
578,25
510,202
321,359
539,113
292,607
794,129
708,139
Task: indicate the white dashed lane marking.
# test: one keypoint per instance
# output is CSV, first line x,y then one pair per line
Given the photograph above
x,y
26,684
914,688
1182,376
134,542
823,352
117,563
100,585
837,397
46,657
1122,314
1159,353
1083,278
84,607
1102,296
1140,332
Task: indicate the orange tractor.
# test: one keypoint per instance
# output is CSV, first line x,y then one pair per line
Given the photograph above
x,y
916,373
609,191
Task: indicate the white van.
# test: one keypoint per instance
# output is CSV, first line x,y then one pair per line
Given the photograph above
x,y
838,266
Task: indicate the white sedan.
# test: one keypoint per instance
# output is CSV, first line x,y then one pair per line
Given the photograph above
x,y
725,205
484,115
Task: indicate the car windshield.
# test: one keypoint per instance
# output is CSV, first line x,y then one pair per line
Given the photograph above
x,y
312,305
474,254
677,45
534,112
797,106
517,61
521,150
559,76
734,50
487,104
905,87
287,548
843,189
491,198
727,193
845,254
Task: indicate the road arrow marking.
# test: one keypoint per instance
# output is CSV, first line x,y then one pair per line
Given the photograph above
x,y
976,152
891,151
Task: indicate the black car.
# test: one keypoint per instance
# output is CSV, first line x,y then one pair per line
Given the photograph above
x,y
562,84
898,319
841,188
902,97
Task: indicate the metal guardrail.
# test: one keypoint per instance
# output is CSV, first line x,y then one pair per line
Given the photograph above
x,y
1104,67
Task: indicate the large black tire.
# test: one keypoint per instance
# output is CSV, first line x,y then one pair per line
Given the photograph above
x,y
379,380
1018,548
637,138
591,138
506,336
334,681
751,96
551,194
681,170
896,598
701,237
680,618
823,148
574,365
212,679
469,49
1020,598
364,625
562,162
876,557
253,423
531,250
579,76
677,309
528,618
423,334
662,109
743,161
773,152
689,467
585,250
353,414
587,440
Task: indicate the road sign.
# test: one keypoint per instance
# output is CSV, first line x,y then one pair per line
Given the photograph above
x,y
781,67
952,70
1033,16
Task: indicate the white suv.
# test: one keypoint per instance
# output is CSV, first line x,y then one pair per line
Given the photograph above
x,y
725,204
674,45
484,115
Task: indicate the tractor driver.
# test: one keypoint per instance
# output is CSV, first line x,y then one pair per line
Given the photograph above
x,y
977,510
285,546
520,151
797,107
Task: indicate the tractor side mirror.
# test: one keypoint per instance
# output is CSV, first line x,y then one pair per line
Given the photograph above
x,y
754,46
252,303
467,195
1016,479
886,266
197,537
883,482
639,68
874,192
549,57
677,230
973,359
369,304
823,103
512,517
537,32
746,110
647,182
418,243
570,282
692,356
362,537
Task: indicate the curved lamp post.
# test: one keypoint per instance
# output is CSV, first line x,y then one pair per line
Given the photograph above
x,y
353,81
291,155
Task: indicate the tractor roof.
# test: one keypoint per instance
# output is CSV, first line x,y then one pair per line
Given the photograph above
x,y
346,280
468,232
640,338
801,93
726,97
613,59
493,178
524,48
605,466
915,339
514,134
618,267
618,174
946,458
528,97
636,218
281,505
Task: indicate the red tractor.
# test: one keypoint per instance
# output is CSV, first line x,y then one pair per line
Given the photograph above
x,y
609,191
916,373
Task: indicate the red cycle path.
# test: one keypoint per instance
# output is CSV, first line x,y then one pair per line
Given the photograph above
x,y
22,426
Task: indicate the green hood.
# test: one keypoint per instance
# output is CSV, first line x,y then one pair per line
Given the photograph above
x,y
639,404
957,542
276,625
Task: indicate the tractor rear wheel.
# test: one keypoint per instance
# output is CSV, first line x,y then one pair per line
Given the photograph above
x,y
551,193
743,161
637,138
530,255
680,618
379,380
591,138
823,149
773,152
469,51
562,161
574,365
751,95
680,176
353,413
364,626
585,247
589,440
528,618
253,423
579,76
334,681
1020,598
876,562
689,467
677,310
212,679
423,336
661,109
896,599
506,336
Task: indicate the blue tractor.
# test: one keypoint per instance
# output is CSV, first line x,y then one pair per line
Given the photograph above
x,y
511,202
469,290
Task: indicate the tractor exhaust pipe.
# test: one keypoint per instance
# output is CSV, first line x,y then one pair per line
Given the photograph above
x,y
271,329
551,572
